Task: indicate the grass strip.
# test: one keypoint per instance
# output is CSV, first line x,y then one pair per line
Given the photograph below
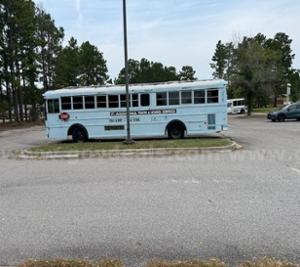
x,y
141,144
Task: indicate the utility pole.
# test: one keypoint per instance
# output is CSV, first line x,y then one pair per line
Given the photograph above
x,y
128,139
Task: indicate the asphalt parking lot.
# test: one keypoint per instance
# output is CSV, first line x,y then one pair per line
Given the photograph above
x,y
233,206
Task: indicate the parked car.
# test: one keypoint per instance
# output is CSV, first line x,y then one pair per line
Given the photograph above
x,y
291,111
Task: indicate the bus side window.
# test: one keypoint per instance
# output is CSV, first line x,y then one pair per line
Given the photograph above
x,y
213,96
173,98
89,102
53,106
145,100
66,103
101,101
186,97
135,100
77,102
113,101
161,99
123,101
199,97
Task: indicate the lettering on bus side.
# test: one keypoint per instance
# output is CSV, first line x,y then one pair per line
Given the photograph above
x,y
145,112
118,120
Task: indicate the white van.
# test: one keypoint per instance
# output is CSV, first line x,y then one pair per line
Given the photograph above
x,y
236,106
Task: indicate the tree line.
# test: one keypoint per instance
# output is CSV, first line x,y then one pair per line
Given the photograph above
x,y
258,68
145,71
33,60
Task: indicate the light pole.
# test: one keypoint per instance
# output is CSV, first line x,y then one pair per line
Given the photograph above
x,y
128,138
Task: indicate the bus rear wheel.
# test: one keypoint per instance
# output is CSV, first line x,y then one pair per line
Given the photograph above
x,y
79,135
176,131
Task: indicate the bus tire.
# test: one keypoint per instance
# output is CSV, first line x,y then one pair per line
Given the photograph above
x,y
242,111
176,130
79,134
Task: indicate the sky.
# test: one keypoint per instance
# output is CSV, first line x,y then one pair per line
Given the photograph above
x,y
174,32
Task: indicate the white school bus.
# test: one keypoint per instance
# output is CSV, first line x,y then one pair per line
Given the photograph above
x,y
172,109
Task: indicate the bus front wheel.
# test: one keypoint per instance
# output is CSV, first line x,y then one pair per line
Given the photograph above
x,y
176,130
79,135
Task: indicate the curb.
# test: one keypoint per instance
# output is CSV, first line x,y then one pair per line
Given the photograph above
x,y
128,153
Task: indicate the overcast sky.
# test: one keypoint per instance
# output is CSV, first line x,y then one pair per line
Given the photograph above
x,y
174,32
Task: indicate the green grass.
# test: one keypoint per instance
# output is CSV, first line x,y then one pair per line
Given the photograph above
x,y
141,144
263,110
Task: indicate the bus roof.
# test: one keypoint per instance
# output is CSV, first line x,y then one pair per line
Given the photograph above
x,y
105,89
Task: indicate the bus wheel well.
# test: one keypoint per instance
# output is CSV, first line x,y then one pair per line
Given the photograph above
x,y
78,126
179,128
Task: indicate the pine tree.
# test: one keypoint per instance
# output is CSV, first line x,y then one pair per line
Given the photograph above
x,y
220,61
92,65
187,73
49,38
67,66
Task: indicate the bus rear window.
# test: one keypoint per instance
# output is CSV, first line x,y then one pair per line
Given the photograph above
x,y
53,106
